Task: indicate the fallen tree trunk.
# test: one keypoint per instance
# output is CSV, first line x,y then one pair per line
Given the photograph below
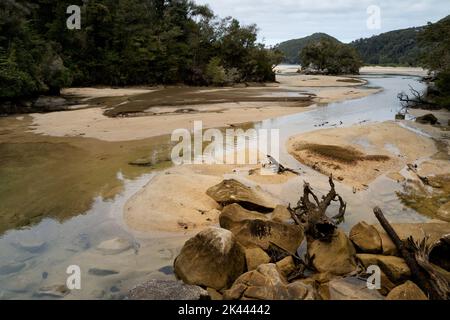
x,y
420,276
280,167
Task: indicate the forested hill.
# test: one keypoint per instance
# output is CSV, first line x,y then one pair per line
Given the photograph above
x,y
124,42
291,49
398,47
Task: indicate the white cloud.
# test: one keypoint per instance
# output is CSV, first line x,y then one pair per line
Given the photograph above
x,y
281,20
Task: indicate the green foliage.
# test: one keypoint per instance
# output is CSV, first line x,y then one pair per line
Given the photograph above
x,y
124,42
331,57
291,48
398,47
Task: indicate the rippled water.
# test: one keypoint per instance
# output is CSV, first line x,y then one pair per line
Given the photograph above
x,y
38,256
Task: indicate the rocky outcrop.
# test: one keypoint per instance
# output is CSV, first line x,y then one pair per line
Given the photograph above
x,y
267,283
232,191
252,229
167,290
407,291
212,259
336,256
366,238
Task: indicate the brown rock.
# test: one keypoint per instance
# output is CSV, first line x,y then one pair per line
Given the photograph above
x,y
336,257
407,291
214,294
281,214
260,232
348,289
266,283
366,238
394,267
212,259
444,212
286,266
232,191
256,257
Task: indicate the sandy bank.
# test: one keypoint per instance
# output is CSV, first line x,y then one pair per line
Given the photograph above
x,y
394,70
359,154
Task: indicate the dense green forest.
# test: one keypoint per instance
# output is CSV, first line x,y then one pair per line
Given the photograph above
x,y
291,48
124,42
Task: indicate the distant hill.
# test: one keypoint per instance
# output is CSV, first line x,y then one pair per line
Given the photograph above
x,y
291,49
398,47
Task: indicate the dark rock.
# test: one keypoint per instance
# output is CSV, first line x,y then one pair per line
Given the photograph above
x,y
102,272
166,290
427,119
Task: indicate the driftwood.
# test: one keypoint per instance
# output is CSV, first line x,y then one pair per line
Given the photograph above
x,y
416,257
312,215
414,100
280,167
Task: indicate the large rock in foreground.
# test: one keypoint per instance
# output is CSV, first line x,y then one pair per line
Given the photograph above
x,y
366,238
336,257
407,291
166,290
232,191
394,267
348,289
252,229
212,259
267,283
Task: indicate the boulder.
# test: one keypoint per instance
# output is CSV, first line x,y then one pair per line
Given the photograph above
x,y
212,259
443,212
427,119
256,257
407,291
366,238
214,294
336,257
348,289
232,191
286,266
251,229
114,246
266,283
434,231
281,214
394,267
166,290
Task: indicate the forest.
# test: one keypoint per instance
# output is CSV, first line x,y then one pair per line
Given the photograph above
x,y
124,42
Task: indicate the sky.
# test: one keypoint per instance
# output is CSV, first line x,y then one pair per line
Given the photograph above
x,y
346,20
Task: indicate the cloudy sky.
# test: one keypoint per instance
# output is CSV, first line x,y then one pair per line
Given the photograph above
x,y
280,20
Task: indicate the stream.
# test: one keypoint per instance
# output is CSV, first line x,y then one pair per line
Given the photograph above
x,y
34,259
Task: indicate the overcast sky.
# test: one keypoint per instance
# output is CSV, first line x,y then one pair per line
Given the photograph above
x,y
280,20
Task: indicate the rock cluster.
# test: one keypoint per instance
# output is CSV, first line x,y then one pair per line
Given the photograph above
x,y
255,254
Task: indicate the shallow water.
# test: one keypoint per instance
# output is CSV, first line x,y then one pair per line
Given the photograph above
x,y
72,240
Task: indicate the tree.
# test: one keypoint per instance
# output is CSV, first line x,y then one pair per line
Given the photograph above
x,y
331,57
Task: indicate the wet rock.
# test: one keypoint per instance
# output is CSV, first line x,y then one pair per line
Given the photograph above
x,y
231,191
166,290
212,258
434,231
281,214
407,291
55,291
11,268
336,256
252,230
394,267
266,283
366,238
114,246
102,272
427,119
286,266
348,289
256,257
443,212
32,246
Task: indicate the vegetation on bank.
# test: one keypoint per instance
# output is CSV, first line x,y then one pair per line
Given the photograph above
x,y
330,57
124,42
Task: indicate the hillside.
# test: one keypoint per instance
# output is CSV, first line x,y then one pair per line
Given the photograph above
x,y
291,49
398,47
